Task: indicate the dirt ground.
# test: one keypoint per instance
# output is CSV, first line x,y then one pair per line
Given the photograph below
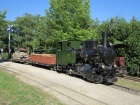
x,y
72,90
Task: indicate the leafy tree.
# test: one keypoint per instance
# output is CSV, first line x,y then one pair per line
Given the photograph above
x,y
41,33
3,33
133,40
26,25
116,28
69,20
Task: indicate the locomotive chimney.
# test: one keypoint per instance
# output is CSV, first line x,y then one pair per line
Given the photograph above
x,y
104,39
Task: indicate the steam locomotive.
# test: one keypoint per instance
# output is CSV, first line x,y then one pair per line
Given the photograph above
x,y
92,61
88,59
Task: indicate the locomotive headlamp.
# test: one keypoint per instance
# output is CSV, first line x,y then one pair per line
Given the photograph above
x,y
86,55
103,66
115,65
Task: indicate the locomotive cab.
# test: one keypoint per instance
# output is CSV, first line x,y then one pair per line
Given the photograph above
x,y
66,54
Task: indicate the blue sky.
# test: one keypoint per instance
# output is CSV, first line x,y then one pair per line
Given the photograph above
x,y
101,9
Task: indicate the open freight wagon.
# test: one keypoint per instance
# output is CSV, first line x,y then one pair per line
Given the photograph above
x,y
43,59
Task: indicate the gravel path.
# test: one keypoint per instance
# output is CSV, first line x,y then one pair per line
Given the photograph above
x,y
72,90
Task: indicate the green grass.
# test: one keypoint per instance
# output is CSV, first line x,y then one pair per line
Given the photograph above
x,y
4,56
16,92
128,83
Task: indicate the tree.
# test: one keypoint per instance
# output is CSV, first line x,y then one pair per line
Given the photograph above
x,y
26,25
133,40
42,33
69,20
117,29
3,33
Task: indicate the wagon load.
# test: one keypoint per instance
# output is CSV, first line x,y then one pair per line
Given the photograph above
x,y
20,55
44,59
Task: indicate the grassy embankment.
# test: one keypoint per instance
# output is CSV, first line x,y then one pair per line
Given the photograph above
x,y
15,92
128,83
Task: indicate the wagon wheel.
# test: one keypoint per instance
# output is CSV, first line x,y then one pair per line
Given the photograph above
x,y
84,77
58,68
54,67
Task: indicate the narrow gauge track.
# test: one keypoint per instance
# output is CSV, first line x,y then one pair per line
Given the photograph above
x,y
77,97
136,79
127,89
120,87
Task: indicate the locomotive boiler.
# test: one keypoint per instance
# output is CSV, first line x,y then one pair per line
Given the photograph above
x,y
88,59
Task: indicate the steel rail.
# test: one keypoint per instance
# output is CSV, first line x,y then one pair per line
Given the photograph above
x,y
136,79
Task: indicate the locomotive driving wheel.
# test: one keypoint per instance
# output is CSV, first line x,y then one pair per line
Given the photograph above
x,y
69,72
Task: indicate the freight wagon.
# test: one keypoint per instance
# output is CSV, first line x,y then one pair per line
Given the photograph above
x,y
43,59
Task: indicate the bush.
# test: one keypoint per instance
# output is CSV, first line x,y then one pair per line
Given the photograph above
x,y
4,56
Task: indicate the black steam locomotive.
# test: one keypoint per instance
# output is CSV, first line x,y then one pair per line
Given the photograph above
x,y
99,65
92,61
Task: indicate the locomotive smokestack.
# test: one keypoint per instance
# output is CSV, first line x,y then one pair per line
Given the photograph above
x,y
104,39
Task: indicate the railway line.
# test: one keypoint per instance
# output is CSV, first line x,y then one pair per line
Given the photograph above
x,y
77,96
78,92
125,88
136,79
116,86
